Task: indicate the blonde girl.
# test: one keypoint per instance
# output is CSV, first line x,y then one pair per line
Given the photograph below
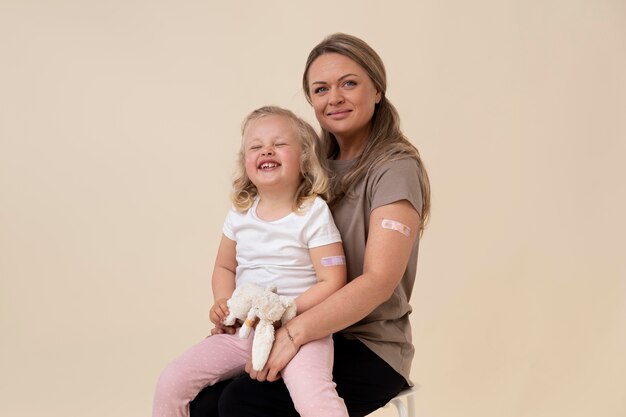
x,y
280,231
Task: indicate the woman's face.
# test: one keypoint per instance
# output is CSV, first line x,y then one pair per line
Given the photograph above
x,y
343,97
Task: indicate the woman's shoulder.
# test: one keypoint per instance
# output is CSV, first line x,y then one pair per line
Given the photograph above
x,y
399,165
395,180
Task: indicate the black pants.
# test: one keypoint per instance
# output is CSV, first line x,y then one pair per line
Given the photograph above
x,y
363,379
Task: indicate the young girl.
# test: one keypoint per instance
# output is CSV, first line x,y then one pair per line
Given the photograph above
x,y
280,231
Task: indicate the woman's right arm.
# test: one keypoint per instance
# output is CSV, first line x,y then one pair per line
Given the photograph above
x,y
223,282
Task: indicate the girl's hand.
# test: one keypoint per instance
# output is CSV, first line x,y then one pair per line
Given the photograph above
x,y
221,329
218,312
283,351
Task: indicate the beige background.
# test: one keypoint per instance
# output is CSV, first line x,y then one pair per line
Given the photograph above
x,y
119,123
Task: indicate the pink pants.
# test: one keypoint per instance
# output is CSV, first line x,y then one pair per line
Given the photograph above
x,y
308,376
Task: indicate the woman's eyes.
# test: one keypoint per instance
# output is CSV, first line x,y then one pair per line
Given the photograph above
x,y
347,83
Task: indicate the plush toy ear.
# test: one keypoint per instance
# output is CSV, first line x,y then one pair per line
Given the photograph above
x,y
262,344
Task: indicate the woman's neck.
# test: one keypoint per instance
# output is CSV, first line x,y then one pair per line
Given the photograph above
x,y
350,148
348,154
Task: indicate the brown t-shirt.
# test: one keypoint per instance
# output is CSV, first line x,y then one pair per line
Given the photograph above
x,y
386,330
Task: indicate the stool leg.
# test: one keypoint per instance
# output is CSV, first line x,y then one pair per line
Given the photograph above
x,y
411,403
402,411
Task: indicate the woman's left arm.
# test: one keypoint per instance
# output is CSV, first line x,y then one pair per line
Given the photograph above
x,y
392,232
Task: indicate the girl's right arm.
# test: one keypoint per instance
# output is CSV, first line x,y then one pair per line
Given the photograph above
x,y
223,281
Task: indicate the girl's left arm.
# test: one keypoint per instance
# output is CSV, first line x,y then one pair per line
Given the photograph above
x,y
330,268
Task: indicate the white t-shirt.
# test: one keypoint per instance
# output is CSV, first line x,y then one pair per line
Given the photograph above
x,y
277,252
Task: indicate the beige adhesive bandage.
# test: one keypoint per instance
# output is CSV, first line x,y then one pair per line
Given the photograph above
x,y
250,323
397,226
333,260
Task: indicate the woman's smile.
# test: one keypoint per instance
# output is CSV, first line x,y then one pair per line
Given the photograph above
x,y
343,97
339,114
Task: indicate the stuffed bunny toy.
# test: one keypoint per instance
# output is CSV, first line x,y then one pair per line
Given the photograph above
x,y
250,302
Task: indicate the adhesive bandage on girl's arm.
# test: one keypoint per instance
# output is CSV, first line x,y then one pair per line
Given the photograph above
x,y
397,226
333,260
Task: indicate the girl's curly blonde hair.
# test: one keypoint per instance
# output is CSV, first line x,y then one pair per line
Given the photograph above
x,y
313,166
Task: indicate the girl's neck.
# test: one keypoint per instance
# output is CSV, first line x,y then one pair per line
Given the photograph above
x,y
274,206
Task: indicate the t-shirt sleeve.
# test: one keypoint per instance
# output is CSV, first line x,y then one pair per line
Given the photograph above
x,y
321,229
395,181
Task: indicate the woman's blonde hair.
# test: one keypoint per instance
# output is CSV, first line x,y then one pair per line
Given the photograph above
x,y
313,166
386,142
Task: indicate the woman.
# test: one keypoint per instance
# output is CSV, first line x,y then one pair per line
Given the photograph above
x,y
381,204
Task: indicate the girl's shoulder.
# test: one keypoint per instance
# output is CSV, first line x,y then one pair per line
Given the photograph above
x,y
313,205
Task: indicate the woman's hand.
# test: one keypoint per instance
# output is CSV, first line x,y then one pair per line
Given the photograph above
x,y
283,351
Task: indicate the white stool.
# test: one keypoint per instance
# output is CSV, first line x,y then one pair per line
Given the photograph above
x,y
408,409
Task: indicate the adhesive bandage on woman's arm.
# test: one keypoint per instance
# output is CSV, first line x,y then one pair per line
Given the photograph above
x,y
397,226
333,260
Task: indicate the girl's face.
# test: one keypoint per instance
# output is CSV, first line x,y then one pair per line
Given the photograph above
x,y
272,154
343,97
